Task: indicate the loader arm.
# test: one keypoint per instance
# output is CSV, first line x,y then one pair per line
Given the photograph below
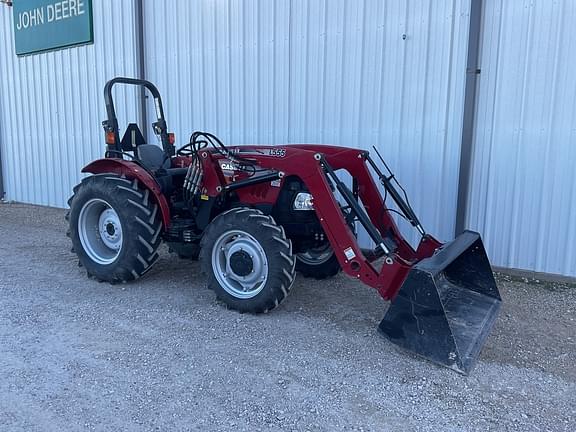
x,y
390,276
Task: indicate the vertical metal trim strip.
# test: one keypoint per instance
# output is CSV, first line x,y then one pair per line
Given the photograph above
x,y
141,64
2,191
468,119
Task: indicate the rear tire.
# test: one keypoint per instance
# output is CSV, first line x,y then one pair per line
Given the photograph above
x,y
318,264
248,260
115,227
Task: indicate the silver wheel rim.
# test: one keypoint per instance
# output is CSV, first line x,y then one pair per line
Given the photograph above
x,y
237,243
100,231
316,256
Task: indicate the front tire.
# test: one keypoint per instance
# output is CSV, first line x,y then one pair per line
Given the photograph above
x,y
115,227
248,260
319,263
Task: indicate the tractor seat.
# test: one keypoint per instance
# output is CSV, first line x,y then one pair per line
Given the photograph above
x,y
152,157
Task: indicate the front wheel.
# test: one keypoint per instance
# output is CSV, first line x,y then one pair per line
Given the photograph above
x,y
248,260
318,263
115,227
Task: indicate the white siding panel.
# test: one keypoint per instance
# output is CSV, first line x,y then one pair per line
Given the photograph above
x,y
523,193
322,71
345,72
52,104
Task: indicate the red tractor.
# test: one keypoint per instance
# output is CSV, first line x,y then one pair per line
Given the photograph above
x,y
254,215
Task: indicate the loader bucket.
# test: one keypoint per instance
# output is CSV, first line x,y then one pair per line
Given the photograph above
x,y
447,305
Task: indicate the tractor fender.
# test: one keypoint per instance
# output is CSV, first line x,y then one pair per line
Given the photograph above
x,y
132,171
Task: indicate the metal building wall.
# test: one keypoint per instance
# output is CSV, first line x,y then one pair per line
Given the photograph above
x,y
52,105
347,72
523,193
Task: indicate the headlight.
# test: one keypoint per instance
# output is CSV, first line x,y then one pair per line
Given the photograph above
x,y
303,201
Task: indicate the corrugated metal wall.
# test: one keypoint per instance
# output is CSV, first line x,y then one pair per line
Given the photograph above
x,y
523,192
346,72
52,104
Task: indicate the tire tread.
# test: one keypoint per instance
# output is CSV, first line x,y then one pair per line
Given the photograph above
x,y
277,247
133,203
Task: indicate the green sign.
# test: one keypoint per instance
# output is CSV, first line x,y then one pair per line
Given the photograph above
x,y
41,25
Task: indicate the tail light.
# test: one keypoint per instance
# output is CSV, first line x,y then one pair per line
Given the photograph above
x,y
110,138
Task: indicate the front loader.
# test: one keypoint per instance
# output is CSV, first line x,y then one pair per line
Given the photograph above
x,y
254,215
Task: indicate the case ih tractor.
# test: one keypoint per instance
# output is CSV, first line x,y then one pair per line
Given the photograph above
x,y
255,215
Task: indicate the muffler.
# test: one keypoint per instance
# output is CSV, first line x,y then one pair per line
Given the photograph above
x,y
447,305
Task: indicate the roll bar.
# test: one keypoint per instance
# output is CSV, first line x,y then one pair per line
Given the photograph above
x,y
111,123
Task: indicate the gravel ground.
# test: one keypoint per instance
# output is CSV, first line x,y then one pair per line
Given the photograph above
x,y
162,354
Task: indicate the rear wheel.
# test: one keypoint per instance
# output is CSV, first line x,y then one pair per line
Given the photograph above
x,y
115,227
318,263
248,260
